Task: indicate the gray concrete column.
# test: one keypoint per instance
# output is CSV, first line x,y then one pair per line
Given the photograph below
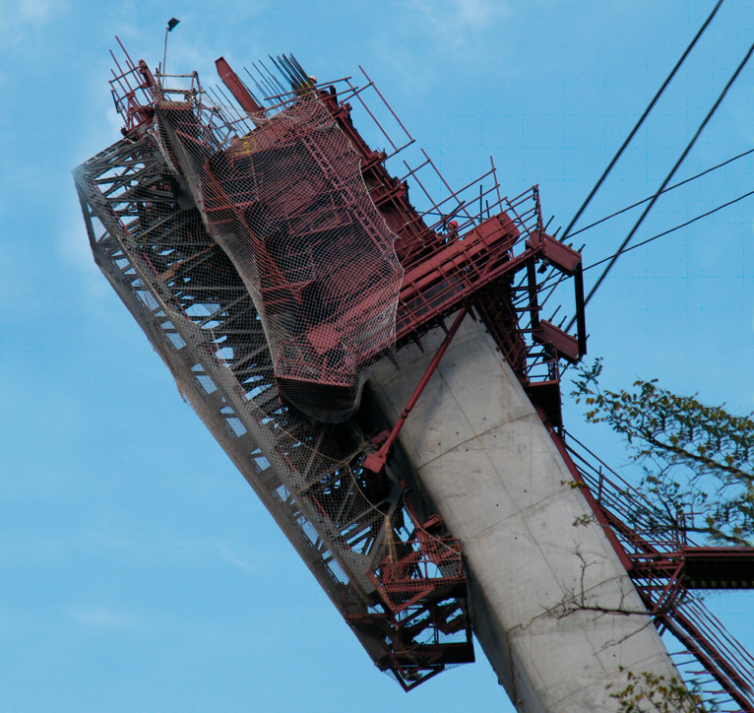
x,y
552,605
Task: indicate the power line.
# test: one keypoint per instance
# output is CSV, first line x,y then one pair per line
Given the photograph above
x,y
641,121
672,230
667,190
667,180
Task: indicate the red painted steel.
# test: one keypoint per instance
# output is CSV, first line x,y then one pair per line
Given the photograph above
x,y
460,258
376,461
566,344
240,93
289,197
718,567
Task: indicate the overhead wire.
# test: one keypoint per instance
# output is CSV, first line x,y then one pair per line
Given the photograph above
x,y
672,230
667,190
666,232
630,137
667,180
639,123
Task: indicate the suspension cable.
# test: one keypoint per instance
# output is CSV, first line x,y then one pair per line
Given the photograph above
x,y
672,230
667,190
641,120
667,180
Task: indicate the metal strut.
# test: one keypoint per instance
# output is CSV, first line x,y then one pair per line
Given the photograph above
x,y
376,461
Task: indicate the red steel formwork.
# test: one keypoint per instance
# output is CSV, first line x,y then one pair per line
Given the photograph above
x,y
185,221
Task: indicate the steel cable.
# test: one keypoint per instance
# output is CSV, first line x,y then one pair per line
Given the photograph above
x,y
641,120
671,230
667,180
667,190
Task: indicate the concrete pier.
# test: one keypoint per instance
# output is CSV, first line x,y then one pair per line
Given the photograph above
x,y
552,605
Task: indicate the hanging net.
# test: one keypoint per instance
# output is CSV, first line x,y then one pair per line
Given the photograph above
x,y
257,264
289,206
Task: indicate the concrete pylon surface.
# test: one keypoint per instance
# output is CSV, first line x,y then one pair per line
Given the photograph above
x,y
552,606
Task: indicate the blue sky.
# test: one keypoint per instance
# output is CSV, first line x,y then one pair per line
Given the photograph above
x,y
137,570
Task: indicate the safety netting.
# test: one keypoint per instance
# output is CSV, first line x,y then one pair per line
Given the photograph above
x,y
189,218
287,202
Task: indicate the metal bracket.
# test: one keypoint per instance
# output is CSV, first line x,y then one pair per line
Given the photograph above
x,y
376,461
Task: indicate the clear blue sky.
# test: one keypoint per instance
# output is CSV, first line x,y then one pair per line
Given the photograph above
x,y
137,570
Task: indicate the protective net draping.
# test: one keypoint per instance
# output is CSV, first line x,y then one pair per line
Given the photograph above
x,y
394,582
289,206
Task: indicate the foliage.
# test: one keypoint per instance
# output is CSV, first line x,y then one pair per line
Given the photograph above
x,y
695,459
648,693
